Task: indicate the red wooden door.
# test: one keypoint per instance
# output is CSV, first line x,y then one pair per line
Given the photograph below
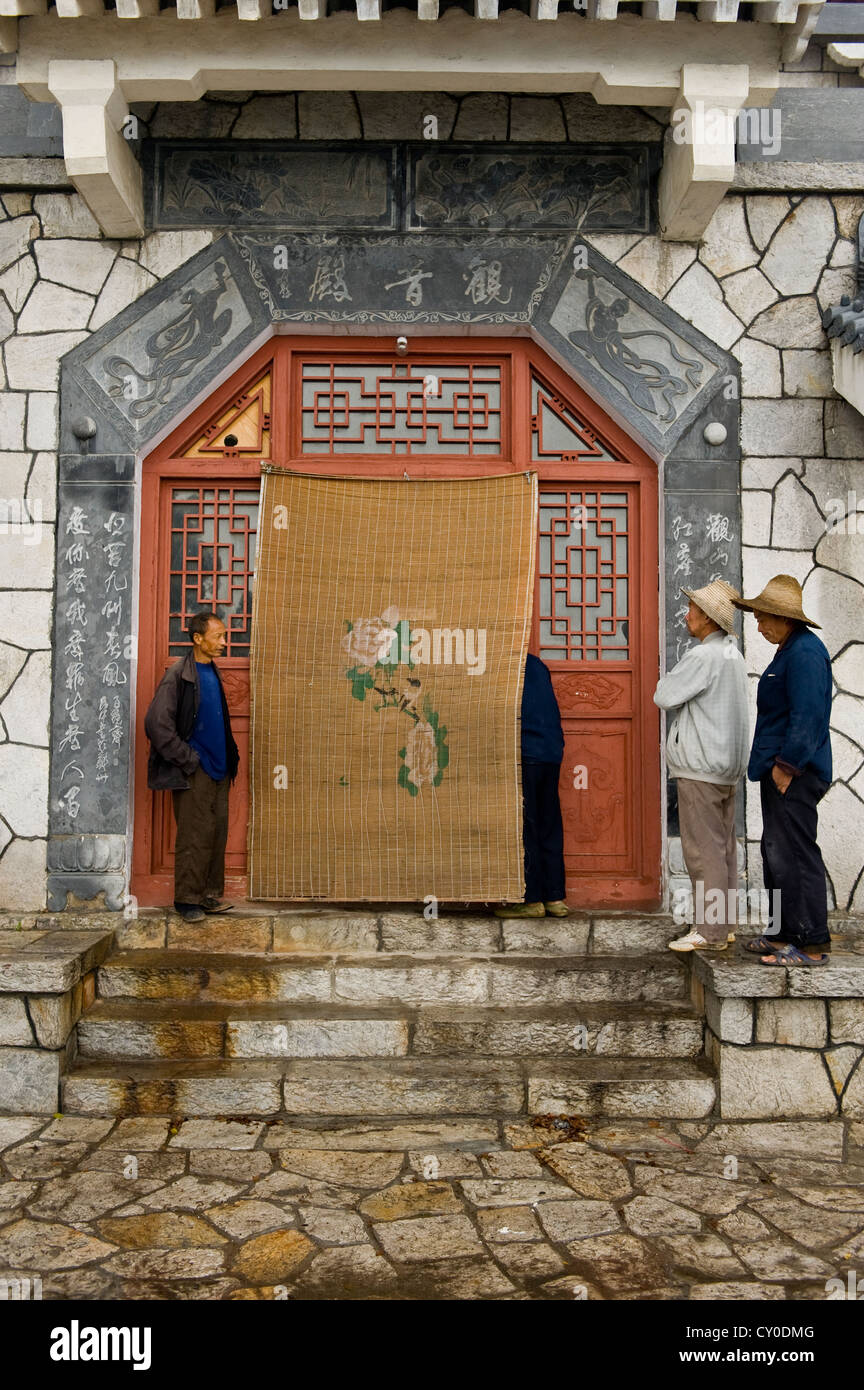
x,y
199,517
449,408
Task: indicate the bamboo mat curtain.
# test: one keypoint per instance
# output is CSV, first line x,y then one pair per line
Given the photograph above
x,y
391,622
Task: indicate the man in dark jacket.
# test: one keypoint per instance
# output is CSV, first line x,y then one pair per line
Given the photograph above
x,y
542,828
193,755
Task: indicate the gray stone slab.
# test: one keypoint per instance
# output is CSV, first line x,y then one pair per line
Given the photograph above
x,y
31,128
593,311
34,171
758,1083
34,974
740,978
29,1080
816,125
145,366
383,1037
839,21
414,933
92,668
428,278
289,184
402,1088
15,1030
402,185
598,188
310,932
703,542
629,1090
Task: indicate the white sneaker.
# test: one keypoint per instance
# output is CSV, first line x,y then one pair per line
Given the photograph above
x,y
695,941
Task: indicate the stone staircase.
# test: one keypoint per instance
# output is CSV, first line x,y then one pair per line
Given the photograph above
x,y
324,1014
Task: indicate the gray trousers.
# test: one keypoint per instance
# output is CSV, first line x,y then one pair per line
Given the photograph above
x,y
706,815
201,814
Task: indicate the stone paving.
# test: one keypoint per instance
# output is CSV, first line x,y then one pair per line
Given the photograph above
x,y
159,1207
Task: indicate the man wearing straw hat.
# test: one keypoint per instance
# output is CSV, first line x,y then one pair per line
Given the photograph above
x,y
791,761
706,750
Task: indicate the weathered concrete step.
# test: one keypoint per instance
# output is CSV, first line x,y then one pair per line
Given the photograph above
x,y
152,1029
393,1087
401,980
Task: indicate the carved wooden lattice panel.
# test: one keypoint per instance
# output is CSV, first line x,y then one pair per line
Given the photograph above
x,y
558,434
212,541
401,408
583,575
242,429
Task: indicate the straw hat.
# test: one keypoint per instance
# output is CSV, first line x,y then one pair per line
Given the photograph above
x,y
780,597
716,600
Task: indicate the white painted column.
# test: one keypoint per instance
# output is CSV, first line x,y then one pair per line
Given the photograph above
x,y
98,158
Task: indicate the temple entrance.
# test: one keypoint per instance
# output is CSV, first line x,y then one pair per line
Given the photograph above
x,y
446,408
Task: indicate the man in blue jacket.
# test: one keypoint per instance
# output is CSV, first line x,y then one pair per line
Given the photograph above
x,y
542,827
791,760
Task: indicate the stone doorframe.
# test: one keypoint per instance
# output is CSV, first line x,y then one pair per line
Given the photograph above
x,y
673,390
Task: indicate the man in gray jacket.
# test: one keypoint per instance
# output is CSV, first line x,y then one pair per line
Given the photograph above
x,y
706,750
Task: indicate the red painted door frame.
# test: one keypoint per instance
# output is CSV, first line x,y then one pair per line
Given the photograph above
x,y
612,834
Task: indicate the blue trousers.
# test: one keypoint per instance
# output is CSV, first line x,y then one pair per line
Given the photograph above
x,y
542,832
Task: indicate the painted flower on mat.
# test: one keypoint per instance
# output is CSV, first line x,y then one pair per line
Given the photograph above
x,y
421,754
371,639
369,644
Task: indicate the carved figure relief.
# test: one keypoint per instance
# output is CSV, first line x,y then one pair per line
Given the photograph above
x,y
174,350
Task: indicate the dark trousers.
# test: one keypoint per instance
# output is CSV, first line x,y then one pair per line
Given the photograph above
x,y
201,814
542,833
792,860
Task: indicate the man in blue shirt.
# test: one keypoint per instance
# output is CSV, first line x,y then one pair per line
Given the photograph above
x,y
542,828
194,756
791,760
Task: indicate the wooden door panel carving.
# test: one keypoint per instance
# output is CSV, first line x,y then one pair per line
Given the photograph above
x,y
595,801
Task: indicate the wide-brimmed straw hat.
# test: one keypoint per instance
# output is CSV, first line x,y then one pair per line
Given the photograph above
x,y
781,597
716,600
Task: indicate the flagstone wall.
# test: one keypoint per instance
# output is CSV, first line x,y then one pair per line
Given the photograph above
x,y
755,287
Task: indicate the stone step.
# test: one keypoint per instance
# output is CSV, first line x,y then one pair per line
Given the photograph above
x,y
341,930
49,962
344,931
613,1088
154,1029
317,931
393,979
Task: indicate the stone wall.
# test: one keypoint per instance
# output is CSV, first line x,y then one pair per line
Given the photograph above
x,y
59,281
784,1042
755,286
